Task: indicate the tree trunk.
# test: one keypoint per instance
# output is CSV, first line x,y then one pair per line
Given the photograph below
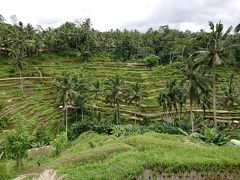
x,y
214,97
191,115
18,161
180,115
39,72
229,116
21,81
116,110
190,98
82,114
135,114
204,112
66,118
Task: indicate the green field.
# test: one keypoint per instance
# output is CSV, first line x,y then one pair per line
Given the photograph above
x,y
94,156
39,97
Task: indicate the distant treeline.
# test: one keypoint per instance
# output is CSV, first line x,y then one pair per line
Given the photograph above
x,y
82,41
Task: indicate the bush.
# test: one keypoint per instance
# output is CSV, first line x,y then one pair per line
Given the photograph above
x,y
212,135
164,127
17,141
42,136
152,60
127,130
146,121
59,143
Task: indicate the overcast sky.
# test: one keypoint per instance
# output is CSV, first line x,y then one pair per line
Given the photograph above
x,y
111,14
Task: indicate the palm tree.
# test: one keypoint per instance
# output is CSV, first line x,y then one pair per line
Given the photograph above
x,y
205,101
82,97
115,93
181,99
172,91
230,95
193,76
66,93
135,95
214,55
19,61
164,101
237,28
96,92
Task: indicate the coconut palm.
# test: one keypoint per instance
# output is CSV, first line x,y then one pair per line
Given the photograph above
x,y
135,95
96,93
164,101
230,95
214,55
193,76
181,99
115,93
19,61
82,97
237,28
205,101
172,91
66,93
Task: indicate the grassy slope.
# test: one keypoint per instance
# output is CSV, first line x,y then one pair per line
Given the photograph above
x,y
40,94
94,156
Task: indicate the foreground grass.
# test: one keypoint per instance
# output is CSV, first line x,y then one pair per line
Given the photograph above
x,y
94,156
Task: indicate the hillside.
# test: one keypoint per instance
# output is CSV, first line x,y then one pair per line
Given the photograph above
x,y
94,156
39,97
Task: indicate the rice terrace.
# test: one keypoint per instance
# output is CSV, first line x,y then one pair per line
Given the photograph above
x,y
80,100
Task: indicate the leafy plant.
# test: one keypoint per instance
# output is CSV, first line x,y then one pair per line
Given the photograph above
x,y
127,130
151,60
17,141
146,121
59,143
212,135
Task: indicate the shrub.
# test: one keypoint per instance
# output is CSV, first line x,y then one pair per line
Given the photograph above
x,y
151,60
42,136
164,127
127,130
212,135
146,121
59,143
17,141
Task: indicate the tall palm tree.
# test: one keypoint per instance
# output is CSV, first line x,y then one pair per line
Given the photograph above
x,y
230,95
19,61
135,95
66,93
164,101
115,93
237,28
205,101
96,93
181,99
82,97
173,91
214,55
193,76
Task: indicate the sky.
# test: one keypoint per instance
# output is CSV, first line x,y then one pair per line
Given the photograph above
x,y
190,15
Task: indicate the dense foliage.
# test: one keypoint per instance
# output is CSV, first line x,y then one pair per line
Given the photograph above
x,y
82,41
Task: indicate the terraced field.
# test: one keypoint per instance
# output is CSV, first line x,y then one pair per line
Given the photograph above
x,y
39,99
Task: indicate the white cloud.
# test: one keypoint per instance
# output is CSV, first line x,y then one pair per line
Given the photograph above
x,y
140,14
